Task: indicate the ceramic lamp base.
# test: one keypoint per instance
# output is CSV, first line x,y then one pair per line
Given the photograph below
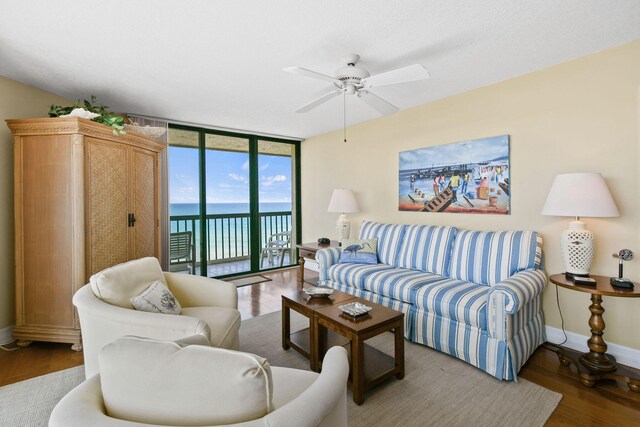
x,y
578,246
343,228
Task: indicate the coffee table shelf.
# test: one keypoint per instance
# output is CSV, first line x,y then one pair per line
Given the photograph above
x,y
329,326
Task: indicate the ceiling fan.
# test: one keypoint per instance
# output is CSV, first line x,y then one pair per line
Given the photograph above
x,y
354,80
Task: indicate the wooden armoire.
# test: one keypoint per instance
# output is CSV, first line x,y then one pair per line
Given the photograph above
x,y
85,199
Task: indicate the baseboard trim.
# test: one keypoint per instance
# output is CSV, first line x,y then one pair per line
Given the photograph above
x,y
624,355
6,335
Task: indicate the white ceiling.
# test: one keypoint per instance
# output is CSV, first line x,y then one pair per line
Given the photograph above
x,y
219,63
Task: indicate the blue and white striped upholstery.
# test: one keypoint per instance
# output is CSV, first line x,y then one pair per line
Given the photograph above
x,y
389,237
495,328
399,283
520,288
326,258
488,257
462,340
354,274
427,248
456,300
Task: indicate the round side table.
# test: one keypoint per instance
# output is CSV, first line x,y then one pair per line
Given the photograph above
x,y
597,365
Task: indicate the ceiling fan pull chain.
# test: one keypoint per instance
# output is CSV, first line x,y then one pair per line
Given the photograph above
x,y
344,107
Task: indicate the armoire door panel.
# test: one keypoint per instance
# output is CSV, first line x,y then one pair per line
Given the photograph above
x,y
107,204
46,227
144,204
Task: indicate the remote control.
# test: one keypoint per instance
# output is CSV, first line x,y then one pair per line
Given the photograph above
x,y
583,280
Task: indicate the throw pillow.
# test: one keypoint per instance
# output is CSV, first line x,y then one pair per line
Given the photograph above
x,y
157,298
359,251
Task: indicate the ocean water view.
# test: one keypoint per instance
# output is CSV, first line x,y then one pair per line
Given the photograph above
x,y
180,209
229,237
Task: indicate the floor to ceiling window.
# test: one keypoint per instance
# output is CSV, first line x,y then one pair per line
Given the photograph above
x,y
234,202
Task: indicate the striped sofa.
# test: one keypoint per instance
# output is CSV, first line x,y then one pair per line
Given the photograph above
x,y
475,295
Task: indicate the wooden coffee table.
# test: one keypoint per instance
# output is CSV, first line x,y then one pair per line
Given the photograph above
x,y
329,326
304,341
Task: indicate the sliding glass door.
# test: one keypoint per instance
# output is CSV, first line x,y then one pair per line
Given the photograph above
x,y
236,197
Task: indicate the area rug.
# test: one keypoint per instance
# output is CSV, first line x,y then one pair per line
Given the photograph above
x,y
30,402
251,280
437,389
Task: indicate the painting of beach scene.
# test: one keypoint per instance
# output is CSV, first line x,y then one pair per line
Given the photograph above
x,y
463,177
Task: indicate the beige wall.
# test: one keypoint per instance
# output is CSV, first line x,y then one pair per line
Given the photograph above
x,y
16,101
580,116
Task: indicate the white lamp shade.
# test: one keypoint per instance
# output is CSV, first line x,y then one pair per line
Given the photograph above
x,y
580,195
343,201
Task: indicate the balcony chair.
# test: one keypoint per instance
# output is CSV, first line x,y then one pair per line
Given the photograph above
x,y
276,246
181,251
209,308
148,382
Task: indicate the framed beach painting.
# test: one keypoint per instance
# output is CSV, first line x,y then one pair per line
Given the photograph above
x,y
463,177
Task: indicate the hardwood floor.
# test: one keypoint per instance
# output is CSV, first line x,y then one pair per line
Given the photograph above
x,y
607,404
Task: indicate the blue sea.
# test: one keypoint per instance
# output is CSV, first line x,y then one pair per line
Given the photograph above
x,y
229,237
225,208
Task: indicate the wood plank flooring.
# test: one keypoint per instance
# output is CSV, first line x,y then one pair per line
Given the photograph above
x,y
608,404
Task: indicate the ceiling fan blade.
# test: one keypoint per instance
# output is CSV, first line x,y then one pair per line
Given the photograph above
x,y
380,105
312,74
313,104
401,75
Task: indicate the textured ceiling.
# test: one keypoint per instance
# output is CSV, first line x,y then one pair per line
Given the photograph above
x,y
219,63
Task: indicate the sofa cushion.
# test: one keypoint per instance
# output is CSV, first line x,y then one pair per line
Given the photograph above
x,y
358,251
427,248
223,322
353,275
457,300
488,257
399,283
118,284
161,382
389,237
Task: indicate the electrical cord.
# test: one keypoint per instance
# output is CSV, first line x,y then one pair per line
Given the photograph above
x,y
2,346
555,347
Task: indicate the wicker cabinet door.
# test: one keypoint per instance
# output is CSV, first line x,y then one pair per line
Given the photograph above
x,y
144,204
107,204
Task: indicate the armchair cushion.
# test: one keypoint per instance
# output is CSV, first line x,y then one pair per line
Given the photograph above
x,y
118,284
157,298
183,385
224,323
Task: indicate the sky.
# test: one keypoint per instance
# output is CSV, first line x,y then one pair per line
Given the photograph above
x,y
227,177
464,152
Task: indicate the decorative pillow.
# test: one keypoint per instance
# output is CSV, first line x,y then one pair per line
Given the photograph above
x,y
359,251
157,298
167,383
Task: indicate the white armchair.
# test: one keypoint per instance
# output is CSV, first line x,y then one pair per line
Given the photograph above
x,y
209,308
146,382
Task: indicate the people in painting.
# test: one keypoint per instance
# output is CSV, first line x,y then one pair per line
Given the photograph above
x,y
465,182
436,185
454,183
441,182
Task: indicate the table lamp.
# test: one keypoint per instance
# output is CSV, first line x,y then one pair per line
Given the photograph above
x,y
579,195
343,201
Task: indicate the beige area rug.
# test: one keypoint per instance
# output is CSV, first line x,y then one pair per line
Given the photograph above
x,y
437,390
251,280
29,403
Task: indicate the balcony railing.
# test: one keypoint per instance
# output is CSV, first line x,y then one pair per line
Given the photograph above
x,y
228,235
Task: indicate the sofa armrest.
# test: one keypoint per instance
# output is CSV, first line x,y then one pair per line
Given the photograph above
x,y
198,291
519,289
508,297
326,258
